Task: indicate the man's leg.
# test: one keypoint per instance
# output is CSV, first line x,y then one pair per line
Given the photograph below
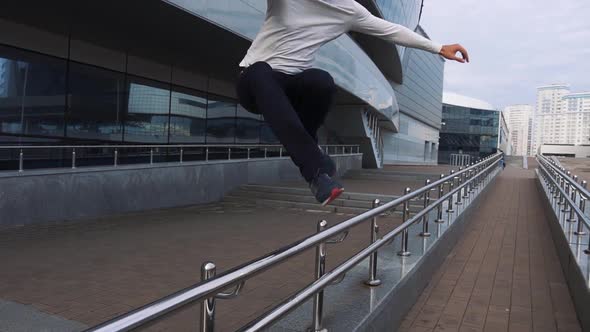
x,y
261,87
314,95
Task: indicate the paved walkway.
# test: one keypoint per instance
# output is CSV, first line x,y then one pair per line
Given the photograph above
x,y
504,274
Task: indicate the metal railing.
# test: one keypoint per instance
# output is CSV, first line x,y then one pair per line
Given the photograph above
x,y
465,183
113,155
567,195
459,159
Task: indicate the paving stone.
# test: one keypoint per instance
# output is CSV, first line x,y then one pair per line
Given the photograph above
x,y
506,269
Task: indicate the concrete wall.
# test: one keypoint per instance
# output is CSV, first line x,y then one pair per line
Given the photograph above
x,y
48,196
572,151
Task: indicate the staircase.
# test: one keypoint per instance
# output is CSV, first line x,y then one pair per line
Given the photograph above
x,y
301,198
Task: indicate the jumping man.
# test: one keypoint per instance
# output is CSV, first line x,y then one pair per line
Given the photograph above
x,y
277,79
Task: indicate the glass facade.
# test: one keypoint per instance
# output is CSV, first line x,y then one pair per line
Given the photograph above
x,y
49,99
468,131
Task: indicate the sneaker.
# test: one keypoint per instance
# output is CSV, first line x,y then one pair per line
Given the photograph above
x,y
325,189
328,165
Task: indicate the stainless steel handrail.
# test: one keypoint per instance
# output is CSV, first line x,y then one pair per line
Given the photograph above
x,y
246,271
296,300
566,177
564,194
226,149
122,146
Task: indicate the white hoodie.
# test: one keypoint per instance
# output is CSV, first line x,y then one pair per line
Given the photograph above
x,y
294,30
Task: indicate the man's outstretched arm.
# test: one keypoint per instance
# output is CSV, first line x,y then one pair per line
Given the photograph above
x,y
369,24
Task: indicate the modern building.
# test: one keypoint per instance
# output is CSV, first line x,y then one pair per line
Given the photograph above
x,y
104,73
520,121
561,117
471,127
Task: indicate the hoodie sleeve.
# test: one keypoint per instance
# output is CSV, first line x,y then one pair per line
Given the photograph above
x,y
366,23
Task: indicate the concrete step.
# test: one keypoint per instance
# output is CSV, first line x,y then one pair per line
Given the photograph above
x,y
389,177
287,204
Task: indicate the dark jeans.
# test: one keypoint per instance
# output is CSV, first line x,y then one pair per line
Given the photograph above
x,y
294,106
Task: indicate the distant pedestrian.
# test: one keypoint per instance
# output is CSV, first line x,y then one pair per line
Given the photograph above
x,y
277,79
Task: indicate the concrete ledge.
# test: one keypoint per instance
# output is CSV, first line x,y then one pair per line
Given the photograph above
x,y
58,195
576,280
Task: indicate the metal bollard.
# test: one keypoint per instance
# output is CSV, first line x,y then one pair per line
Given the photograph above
x,y
248,153
208,305
116,159
373,281
281,152
229,154
206,154
20,161
439,209
73,158
151,156
425,232
451,186
459,183
320,270
181,155
265,152
405,235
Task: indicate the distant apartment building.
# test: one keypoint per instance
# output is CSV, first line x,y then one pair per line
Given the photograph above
x,y
561,117
520,121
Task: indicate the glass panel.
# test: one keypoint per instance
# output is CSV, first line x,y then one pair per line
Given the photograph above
x,y
32,93
148,111
248,127
97,100
221,120
188,119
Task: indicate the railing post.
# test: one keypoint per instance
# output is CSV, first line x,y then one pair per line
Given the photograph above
x,y
206,154
248,153
116,158
20,161
73,158
425,232
466,189
208,305
320,270
265,152
459,183
373,281
439,209
572,217
228,153
580,230
566,206
451,186
405,234
151,156
281,152
181,155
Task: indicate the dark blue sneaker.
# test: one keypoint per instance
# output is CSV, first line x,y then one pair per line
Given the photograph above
x,y
328,165
325,189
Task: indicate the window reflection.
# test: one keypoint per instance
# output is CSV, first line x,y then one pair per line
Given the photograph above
x,y
147,112
188,116
32,93
96,103
247,126
221,120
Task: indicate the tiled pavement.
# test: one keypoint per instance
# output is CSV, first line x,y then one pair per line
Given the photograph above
x,y
93,270
504,274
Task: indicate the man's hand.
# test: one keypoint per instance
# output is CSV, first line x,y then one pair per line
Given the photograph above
x,y
450,52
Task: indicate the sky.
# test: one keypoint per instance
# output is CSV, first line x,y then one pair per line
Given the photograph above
x,y
514,45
